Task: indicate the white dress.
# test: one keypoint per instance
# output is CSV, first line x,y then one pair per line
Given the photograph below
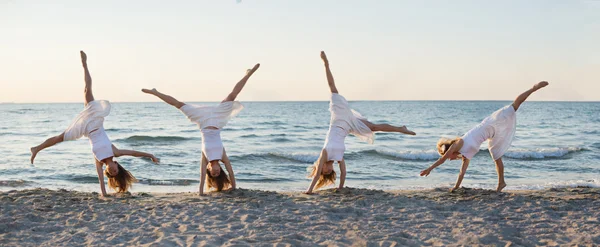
x,y
344,121
499,128
90,123
212,116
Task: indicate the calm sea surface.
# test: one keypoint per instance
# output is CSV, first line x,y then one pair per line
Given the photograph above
x,y
272,143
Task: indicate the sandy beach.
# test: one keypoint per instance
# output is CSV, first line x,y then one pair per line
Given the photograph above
x,y
351,217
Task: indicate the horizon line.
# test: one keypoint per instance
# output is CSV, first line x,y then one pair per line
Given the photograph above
x,y
299,101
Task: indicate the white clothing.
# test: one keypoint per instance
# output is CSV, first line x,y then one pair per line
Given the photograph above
x,y
101,145
91,118
499,128
212,116
90,123
334,144
344,121
212,145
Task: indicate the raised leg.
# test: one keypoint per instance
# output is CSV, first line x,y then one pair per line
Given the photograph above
x,y
240,85
522,97
330,80
500,171
387,128
166,98
89,96
46,144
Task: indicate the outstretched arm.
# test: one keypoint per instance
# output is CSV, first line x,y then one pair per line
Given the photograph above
x,y
89,96
454,148
124,152
100,177
330,80
461,175
203,165
322,160
240,85
229,168
342,173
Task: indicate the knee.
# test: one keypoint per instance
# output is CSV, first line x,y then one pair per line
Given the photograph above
x,y
375,127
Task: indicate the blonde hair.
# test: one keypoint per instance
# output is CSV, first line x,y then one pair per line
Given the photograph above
x,y
444,144
324,180
122,181
220,182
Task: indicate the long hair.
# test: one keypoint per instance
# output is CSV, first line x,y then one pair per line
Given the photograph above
x,y
324,180
219,182
122,181
444,144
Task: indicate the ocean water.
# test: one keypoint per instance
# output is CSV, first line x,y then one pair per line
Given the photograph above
x,y
272,143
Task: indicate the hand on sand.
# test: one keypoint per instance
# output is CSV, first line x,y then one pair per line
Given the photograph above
x,y
540,85
324,57
307,192
453,189
500,187
425,172
83,57
149,91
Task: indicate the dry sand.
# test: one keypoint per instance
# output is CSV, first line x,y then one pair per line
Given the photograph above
x,y
357,217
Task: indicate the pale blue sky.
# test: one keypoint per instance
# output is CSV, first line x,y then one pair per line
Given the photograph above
x,y
379,50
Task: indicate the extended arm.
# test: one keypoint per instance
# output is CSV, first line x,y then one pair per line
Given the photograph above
x,y
203,164
461,175
227,163
124,152
454,148
100,177
342,173
321,162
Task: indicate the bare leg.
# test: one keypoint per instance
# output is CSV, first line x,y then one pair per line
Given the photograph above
x,y
330,80
89,96
387,128
240,85
166,98
500,171
48,143
522,97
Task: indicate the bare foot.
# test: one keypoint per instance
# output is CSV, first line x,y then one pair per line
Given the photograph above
x,y
34,152
149,91
540,85
404,130
324,57
83,57
500,187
